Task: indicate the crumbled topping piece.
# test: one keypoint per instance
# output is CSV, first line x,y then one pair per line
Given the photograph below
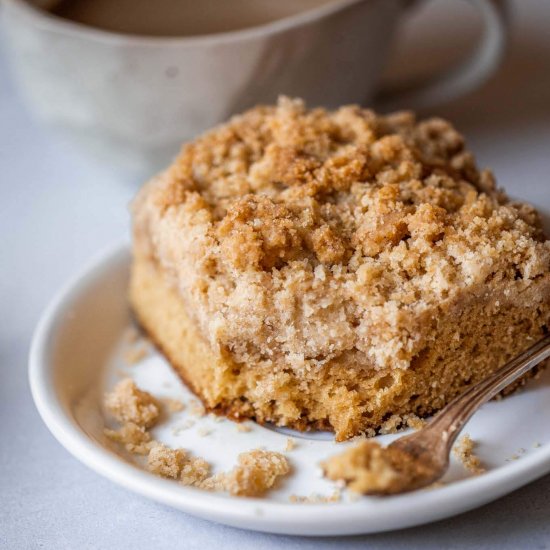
x,y
391,425
256,472
315,498
185,425
243,428
371,469
173,405
464,451
127,403
166,462
216,483
203,431
364,468
194,471
134,438
290,444
415,422
196,408
397,422
436,485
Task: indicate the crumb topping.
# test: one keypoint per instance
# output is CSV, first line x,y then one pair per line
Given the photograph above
x,y
371,469
194,471
166,462
301,235
127,403
315,498
290,444
464,451
256,472
364,468
243,428
134,438
173,405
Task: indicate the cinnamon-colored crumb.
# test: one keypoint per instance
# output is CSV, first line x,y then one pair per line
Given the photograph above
x,y
290,444
391,425
173,405
464,451
315,498
243,428
204,431
166,462
194,471
196,408
436,485
185,425
364,468
177,464
217,483
415,422
127,403
369,468
398,422
134,438
256,472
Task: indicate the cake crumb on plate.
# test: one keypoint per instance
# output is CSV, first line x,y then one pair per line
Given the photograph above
x,y
463,450
290,444
127,403
194,471
185,425
256,472
173,405
243,428
166,462
134,438
315,498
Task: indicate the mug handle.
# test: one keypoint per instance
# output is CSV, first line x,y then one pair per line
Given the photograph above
x,y
464,78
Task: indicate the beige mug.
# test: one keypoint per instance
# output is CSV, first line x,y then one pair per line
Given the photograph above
x,y
131,100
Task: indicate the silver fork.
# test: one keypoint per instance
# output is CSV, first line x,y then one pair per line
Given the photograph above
x,y
430,447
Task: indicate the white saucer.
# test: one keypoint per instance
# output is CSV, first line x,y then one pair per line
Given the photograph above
x,y
77,354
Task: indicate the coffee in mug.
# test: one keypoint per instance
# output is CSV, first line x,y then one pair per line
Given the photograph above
x,y
178,17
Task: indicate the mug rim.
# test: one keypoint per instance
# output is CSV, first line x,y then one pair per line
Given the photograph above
x,y
28,9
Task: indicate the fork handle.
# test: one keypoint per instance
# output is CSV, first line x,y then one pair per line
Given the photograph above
x,y
450,421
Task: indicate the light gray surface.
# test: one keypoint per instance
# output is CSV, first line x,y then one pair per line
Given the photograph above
x,y
56,210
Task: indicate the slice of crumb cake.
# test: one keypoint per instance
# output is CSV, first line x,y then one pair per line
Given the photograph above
x,y
334,269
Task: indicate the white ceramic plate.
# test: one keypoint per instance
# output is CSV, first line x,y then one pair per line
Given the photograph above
x,y
77,353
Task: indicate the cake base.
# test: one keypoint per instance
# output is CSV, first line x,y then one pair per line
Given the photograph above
x,y
469,340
